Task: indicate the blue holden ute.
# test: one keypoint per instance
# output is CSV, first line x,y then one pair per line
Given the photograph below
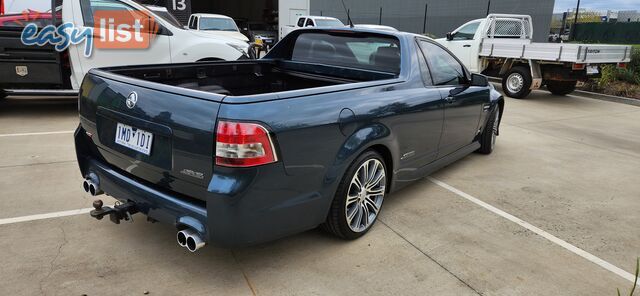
x,y
317,133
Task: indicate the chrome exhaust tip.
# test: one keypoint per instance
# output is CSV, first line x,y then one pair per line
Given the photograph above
x,y
190,239
91,185
194,243
85,185
182,238
94,189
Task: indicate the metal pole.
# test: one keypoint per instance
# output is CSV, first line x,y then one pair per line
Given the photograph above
x,y
488,7
575,22
54,15
424,23
380,17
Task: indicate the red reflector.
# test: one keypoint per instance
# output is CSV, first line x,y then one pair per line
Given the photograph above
x,y
578,67
243,145
622,65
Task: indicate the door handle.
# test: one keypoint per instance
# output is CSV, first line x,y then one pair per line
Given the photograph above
x,y
467,45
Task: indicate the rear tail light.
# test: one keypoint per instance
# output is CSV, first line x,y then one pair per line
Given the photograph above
x,y
577,67
622,65
241,144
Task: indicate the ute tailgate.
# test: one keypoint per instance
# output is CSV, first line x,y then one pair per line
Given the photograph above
x,y
180,153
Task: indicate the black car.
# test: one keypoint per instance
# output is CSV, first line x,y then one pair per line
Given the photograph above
x,y
268,33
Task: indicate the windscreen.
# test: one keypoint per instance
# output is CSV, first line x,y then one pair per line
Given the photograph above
x,y
369,52
217,24
328,23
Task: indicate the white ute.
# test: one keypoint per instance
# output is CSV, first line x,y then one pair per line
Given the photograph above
x,y
173,43
216,24
311,21
500,45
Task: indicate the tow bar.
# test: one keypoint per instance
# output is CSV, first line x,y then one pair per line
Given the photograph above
x,y
120,211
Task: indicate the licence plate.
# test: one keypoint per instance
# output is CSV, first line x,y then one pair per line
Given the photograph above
x,y
592,70
134,138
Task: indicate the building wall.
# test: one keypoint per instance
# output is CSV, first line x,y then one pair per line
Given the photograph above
x,y
628,16
442,15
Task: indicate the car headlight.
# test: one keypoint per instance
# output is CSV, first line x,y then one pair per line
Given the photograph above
x,y
241,48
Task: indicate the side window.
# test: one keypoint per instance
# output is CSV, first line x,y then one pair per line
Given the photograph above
x,y
301,22
310,23
424,69
444,68
467,32
189,22
195,22
192,23
89,7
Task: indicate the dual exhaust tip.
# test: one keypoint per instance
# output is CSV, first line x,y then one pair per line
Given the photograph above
x,y
190,239
91,185
187,238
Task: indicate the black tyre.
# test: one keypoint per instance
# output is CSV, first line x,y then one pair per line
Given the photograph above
x,y
517,82
561,88
359,197
490,133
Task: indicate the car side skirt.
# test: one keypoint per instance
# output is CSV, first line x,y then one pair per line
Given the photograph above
x,y
435,166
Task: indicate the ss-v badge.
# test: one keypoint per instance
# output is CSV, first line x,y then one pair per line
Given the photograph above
x,y
22,71
191,173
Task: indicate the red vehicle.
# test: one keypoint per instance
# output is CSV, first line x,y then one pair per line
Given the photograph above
x,y
31,67
27,17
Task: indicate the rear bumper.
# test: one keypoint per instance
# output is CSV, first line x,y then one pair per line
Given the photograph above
x,y
240,207
155,204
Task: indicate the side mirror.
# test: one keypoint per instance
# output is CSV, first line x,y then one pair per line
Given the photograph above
x,y
479,80
449,36
160,30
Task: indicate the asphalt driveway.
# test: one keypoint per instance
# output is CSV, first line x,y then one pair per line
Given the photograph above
x,y
568,166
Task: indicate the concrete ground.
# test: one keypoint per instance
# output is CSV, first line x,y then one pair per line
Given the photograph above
x,y
568,165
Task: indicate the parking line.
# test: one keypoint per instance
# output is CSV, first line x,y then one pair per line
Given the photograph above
x,y
36,134
44,216
580,252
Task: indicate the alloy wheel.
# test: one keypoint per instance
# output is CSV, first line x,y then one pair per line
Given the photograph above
x,y
365,195
494,129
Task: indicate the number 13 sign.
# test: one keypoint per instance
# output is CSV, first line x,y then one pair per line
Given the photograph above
x,y
179,5
181,9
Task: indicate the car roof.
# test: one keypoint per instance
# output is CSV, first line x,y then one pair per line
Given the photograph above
x,y
156,8
319,17
212,15
397,34
378,27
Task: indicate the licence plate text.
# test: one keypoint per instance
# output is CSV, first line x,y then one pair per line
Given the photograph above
x,y
134,138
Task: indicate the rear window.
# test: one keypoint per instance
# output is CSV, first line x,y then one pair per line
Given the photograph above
x,y
217,24
369,52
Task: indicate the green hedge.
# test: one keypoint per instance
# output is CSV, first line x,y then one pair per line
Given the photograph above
x,y
620,33
631,74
